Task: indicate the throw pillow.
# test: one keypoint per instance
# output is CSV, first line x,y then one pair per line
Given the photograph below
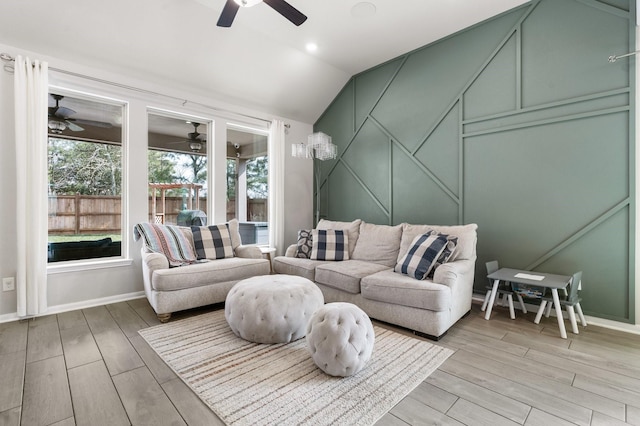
x,y
304,244
212,242
167,240
330,244
422,255
446,254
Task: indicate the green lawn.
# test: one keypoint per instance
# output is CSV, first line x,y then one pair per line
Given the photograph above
x,y
83,237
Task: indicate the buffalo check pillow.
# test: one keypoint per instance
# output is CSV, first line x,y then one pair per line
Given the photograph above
x,y
329,244
212,242
422,256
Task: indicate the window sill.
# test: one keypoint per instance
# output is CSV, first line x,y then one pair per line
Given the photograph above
x,y
77,265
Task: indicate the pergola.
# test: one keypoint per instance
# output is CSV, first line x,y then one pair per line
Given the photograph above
x,y
194,190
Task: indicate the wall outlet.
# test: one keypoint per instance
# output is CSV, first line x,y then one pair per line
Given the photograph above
x,y
8,284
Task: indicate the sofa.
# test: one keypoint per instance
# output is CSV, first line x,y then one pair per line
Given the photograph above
x,y
367,279
172,289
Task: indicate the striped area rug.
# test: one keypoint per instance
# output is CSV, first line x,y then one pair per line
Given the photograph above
x,y
248,383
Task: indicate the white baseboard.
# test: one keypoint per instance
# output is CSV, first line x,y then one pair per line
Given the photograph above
x,y
600,322
58,309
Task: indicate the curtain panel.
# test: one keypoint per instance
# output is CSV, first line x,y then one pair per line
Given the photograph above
x,y
31,83
276,185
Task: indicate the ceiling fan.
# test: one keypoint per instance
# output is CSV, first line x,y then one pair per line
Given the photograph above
x,y
282,7
60,118
195,144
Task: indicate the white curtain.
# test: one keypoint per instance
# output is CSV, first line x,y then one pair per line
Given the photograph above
x,y
31,83
276,185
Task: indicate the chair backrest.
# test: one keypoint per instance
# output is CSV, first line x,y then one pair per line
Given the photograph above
x,y
491,268
574,286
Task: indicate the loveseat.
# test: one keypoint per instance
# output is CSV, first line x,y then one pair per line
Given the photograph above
x,y
367,279
207,281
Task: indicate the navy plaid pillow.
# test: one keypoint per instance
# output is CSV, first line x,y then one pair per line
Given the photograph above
x,y
422,256
212,242
330,244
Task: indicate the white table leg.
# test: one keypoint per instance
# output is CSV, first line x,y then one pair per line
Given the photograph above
x,y
512,312
486,301
524,308
572,319
581,315
543,304
492,299
556,304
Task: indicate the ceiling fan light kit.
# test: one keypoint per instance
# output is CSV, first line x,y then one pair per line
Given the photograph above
x,y
282,7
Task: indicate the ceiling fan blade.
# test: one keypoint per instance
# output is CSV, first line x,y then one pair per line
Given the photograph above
x,y
74,127
288,11
63,112
93,123
228,14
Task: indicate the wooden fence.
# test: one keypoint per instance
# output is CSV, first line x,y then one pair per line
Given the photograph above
x,y
85,214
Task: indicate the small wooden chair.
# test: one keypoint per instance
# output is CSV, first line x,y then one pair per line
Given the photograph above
x,y
570,300
504,290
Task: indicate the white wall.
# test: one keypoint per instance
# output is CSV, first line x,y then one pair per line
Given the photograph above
x,y
73,288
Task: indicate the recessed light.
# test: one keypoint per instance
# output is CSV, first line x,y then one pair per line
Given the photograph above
x,y
364,9
311,47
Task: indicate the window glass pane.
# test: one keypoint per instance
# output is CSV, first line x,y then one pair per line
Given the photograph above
x,y
248,184
85,178
177,159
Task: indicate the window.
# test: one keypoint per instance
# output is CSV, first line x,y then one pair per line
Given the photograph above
x,y
177,159
84,177
248,183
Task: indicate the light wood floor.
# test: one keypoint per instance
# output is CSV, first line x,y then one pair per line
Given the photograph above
x,y
91,367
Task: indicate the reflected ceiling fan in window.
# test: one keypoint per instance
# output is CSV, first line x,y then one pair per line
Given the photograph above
x,y
282,7
60,118
193,139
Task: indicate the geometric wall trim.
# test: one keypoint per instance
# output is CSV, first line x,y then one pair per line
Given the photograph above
x,y
518,124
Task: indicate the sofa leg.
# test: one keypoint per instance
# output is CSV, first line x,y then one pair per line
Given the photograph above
x,y
164,317
428,336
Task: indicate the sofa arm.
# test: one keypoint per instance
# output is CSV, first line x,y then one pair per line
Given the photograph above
x,y
291,251
248,252
451,273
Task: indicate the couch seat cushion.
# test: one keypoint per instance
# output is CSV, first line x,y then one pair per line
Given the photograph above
x,y
206,273
297,266
390,287
346,275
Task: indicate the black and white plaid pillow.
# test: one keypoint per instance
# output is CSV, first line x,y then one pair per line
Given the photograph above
x,y
212,242
330,244
421,257
304,244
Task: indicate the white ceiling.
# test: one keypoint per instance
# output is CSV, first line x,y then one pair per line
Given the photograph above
x,y
260,62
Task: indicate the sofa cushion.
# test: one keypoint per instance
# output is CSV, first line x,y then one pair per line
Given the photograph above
x,y
346,275
352,227
422,255
295,266
304,244
378,244
387,286
330,244
212,242
465,248
208,272
167,240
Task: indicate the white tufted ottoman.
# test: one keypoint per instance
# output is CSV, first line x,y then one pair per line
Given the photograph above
x,y
340,338
272,308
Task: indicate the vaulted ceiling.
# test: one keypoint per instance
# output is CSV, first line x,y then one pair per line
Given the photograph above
x,y
260,62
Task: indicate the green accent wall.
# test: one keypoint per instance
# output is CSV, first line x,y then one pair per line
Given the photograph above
x,y
519,124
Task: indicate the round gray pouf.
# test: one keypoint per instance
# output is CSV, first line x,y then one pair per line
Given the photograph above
x,y
340,338
272,308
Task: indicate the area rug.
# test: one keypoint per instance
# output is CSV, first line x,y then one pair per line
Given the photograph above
x,y
248,383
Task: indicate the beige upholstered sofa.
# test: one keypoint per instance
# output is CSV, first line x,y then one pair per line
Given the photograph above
x,y
368,280
190,286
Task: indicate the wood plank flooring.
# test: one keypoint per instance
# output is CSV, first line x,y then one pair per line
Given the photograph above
x,y
90,367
